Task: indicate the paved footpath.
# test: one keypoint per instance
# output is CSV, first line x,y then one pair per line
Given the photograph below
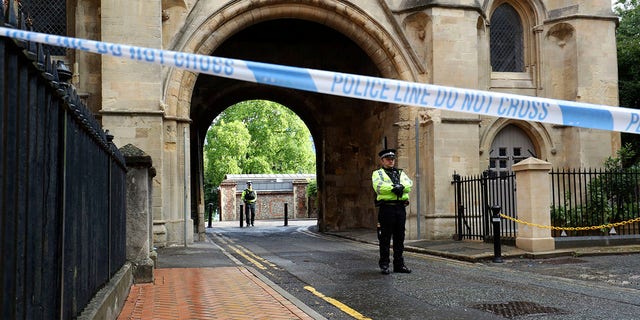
x,y
202,281
207,293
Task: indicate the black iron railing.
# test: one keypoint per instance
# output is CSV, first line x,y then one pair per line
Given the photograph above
x,y
62,189
584,202
474,196
584,199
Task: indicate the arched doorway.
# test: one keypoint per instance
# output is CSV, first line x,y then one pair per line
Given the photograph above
x,y
510,146
346,132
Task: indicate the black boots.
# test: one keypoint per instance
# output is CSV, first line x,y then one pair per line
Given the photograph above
x,y
385,270
401,269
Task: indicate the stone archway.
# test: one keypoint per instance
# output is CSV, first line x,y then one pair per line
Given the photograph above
x,y
347,132
363,30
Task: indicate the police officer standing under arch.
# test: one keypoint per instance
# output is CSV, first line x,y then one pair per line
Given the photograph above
x,y
392,187
249,197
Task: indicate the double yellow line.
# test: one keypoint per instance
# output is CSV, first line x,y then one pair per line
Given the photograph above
x,y
257,261
264,264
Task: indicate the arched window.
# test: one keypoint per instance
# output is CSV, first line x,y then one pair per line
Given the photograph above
x,y
506,40
48,17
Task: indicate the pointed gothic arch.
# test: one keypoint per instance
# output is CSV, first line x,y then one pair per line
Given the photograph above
x,y
384,57
510,146
379,45
519,27
536,133
506,40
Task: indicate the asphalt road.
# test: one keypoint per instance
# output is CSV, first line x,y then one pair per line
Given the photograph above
x,y
340,279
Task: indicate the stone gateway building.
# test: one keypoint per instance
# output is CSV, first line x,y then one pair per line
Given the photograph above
x,y
562,49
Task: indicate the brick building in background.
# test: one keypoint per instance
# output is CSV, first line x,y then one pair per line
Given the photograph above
x,y
273,190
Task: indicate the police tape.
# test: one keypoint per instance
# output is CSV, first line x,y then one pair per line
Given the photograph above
x,y
569,113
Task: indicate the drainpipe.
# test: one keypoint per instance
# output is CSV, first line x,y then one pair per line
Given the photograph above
x,y
186,196
417,178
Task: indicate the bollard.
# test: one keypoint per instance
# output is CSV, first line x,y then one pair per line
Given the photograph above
x,y
286,214
495,219
210,205
460,213
241,214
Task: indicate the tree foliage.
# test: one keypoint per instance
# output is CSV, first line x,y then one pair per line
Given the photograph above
x,y
628,43
255,137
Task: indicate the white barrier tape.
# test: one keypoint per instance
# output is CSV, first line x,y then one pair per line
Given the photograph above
x,y
496,104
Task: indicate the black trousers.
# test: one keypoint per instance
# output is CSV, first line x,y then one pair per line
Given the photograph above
x,y
392,220
251,207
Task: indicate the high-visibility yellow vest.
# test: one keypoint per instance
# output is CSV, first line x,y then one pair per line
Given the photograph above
x,y
382,185
244,193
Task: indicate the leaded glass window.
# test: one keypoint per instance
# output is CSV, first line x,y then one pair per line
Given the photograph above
x,y
507,50
47,17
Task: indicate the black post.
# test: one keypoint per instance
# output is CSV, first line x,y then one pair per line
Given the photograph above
x,y
495,219
486,215
286,214
241,214
210,205
456,179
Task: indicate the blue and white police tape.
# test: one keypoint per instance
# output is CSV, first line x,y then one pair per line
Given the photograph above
x,y
496,104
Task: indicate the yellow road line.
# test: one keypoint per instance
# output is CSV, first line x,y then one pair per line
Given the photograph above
x,y
256,263
246,253
257,257
346,309
222,238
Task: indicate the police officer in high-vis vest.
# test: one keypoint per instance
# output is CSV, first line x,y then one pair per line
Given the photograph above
x,y
392,187
249,197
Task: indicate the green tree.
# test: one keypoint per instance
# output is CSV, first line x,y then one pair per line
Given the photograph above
x,y
627,35
223,143
312,188
257,136
226,143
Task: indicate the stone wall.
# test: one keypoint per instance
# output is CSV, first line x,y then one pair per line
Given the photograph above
x,y
569,51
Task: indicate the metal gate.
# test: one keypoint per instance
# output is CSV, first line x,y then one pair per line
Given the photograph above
x,y
475,195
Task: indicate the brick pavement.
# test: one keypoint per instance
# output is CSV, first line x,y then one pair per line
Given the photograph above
x,y
207,293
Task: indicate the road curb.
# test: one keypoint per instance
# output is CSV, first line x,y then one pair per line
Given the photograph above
x,y
301,305
512,253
